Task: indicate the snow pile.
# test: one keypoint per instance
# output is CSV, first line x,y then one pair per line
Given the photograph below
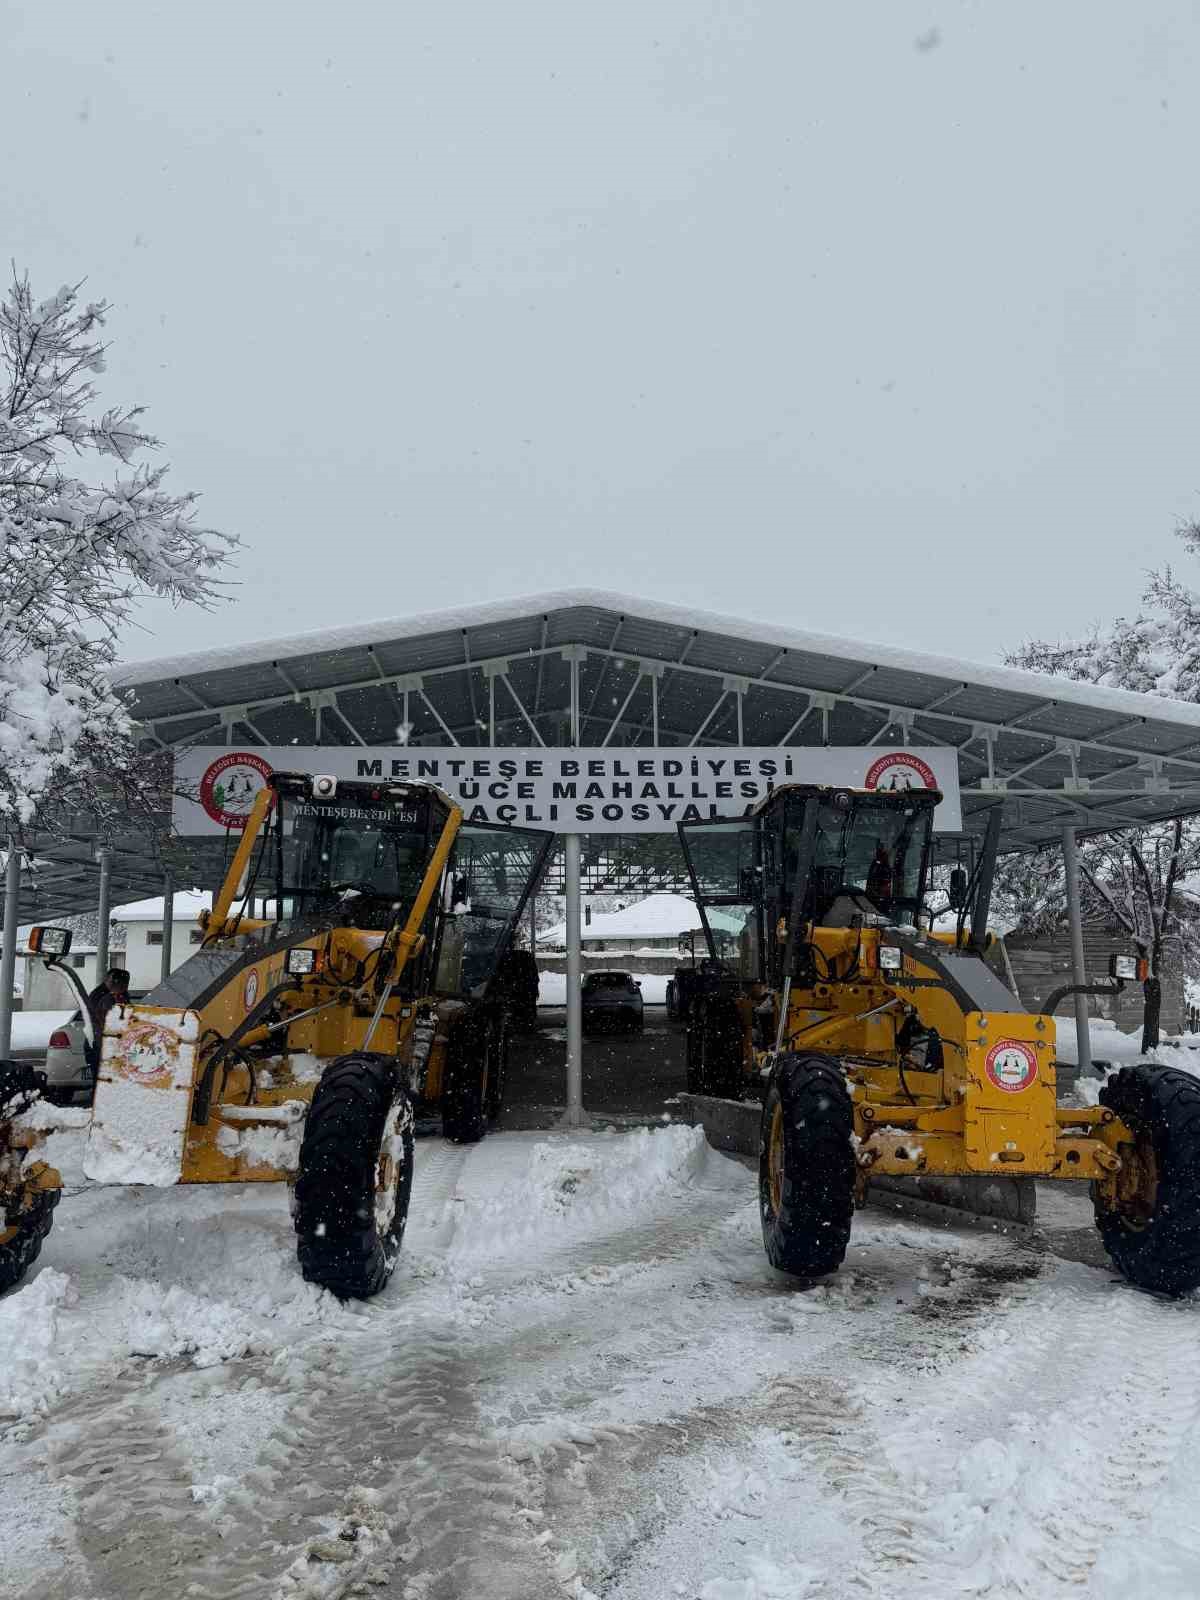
x,y
202,1275
572,1185
271,1137
63,1129
30,1371
1109,1043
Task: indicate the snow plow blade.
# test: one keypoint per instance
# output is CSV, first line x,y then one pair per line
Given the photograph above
x,y
143,1097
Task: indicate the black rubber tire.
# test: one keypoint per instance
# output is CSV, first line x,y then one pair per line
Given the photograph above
x,y
714,1051
466,1083
1160,1104
19,1253
339,1240
808,1232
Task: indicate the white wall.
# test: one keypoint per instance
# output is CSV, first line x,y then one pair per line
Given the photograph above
x,y
144,960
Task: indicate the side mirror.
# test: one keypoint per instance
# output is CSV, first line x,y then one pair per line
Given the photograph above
x,y
957,890
50,942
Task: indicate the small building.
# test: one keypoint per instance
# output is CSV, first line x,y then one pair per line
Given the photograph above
x,y
142,923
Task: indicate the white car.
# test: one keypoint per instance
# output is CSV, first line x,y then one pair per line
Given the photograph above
x,y
68,1080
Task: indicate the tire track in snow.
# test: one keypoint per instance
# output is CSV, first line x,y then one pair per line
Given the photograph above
x,y
1032,1469
138,1523
387,1441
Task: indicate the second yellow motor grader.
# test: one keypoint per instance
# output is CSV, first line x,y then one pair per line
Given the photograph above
x,y
882,1048
300,1044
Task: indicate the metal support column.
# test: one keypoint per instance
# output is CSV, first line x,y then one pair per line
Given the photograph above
x,y
168,924
533,923
574,1114
1078,963
8,944
104,857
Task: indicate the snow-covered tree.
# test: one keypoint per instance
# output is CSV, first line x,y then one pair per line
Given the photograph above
x,y
1155,652
1131,881
78,549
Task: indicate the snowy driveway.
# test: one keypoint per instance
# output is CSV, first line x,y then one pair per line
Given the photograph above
x,y
584,1379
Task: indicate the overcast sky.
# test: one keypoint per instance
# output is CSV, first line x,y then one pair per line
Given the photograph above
x,y
880,319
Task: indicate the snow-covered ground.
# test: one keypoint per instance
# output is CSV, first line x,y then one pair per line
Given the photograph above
x,y
584,1379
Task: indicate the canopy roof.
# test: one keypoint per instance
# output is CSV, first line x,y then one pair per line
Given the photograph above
x,y
592,667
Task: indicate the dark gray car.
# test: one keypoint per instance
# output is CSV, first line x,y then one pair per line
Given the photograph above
x,y
612,1002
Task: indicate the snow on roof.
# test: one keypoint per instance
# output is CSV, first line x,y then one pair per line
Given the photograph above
x,y
359,634
658,916
186,903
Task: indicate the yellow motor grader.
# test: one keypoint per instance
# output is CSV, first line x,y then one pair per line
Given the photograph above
x,y
881,1048
300,1045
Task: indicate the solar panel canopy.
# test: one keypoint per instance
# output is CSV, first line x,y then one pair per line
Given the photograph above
x,y
591,667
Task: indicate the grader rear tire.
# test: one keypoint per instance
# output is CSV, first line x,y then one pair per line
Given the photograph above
x,y
1153,1232
354,1179
714,1051
467,1093
806,1166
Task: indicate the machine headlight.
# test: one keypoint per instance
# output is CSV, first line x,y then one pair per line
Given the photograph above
x,y
301,961
891,958
324,786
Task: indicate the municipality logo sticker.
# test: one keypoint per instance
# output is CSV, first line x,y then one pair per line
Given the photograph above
x,y
900,769
229,788
1011,1065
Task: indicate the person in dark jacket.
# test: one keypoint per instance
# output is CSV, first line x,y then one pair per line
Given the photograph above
x,y
114,991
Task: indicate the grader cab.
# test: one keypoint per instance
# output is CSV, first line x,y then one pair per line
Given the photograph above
x,y
882,1048
300,1044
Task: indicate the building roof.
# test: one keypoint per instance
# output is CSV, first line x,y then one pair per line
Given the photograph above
x,y
658,916
592,667
186,905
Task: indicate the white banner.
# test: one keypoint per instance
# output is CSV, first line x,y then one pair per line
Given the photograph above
x,y
631,790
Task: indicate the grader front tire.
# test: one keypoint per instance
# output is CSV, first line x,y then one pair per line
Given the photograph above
x,y
27,1212
354,1178
1150,1220
806,1166
26,1230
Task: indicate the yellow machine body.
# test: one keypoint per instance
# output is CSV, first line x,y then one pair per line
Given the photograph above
x,y
985,1105
176,1103
991,1109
